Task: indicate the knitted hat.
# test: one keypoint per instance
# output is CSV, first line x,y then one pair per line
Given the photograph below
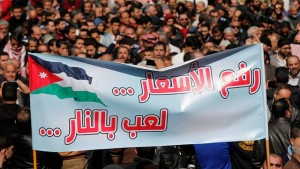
x,y
97,21
167,17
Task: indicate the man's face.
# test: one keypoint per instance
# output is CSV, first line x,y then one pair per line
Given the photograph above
x,y
210,45
123,54
87,7
152,11
9,153
50,27
231,12
79,43
32,46
236,27
91,50
296,39
275,163
189,5
71,35
293,65
130,33
200,7
15,44
96,36
61,26
215,15
115,28
285,50
4,29
236,15
229,36
17,12
148,55
104,3
47,5
91,25
183,20
217,35
10,72
136,13
63,50
101,27
172,3
204,32
3,59
296,145
159,52
278,8
37,33
124,18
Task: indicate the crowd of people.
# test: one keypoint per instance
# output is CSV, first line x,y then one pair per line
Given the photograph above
x,y
154,34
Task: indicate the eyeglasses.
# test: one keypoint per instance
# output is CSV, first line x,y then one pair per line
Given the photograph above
x,y
235,27
278,7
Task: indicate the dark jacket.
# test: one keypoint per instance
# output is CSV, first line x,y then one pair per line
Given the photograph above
x,y
292,164
279,133
8,115
23,155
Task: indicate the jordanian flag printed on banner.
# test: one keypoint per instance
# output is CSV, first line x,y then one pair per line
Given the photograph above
x,y
61,80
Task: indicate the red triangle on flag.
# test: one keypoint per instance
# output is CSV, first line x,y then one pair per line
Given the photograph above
x,y
39,76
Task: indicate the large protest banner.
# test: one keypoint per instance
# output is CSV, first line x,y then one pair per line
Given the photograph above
x,y
83,104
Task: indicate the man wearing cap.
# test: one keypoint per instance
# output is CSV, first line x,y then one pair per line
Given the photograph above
x,y
279,59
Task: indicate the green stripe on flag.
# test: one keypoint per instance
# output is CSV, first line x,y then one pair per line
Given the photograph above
x,y
67,92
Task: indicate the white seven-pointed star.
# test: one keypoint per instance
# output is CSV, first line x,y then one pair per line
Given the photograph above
x,y
43,75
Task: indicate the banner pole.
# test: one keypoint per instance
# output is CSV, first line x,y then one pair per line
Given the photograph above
x,y
34,159
268,153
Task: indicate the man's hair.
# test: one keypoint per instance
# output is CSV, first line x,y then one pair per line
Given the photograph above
x,y
69,28
282,75
24,119
61,42
280,107
145,19
48,21
94,30
4,22
291,56
2,53
160,43
216,29
58,20
9,91
33,39
5,142
16,6
147,8
85,30
146,152
91,41
115,20
281,86
17,36
52,42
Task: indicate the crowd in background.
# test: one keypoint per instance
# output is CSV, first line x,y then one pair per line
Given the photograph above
x,y
154,34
